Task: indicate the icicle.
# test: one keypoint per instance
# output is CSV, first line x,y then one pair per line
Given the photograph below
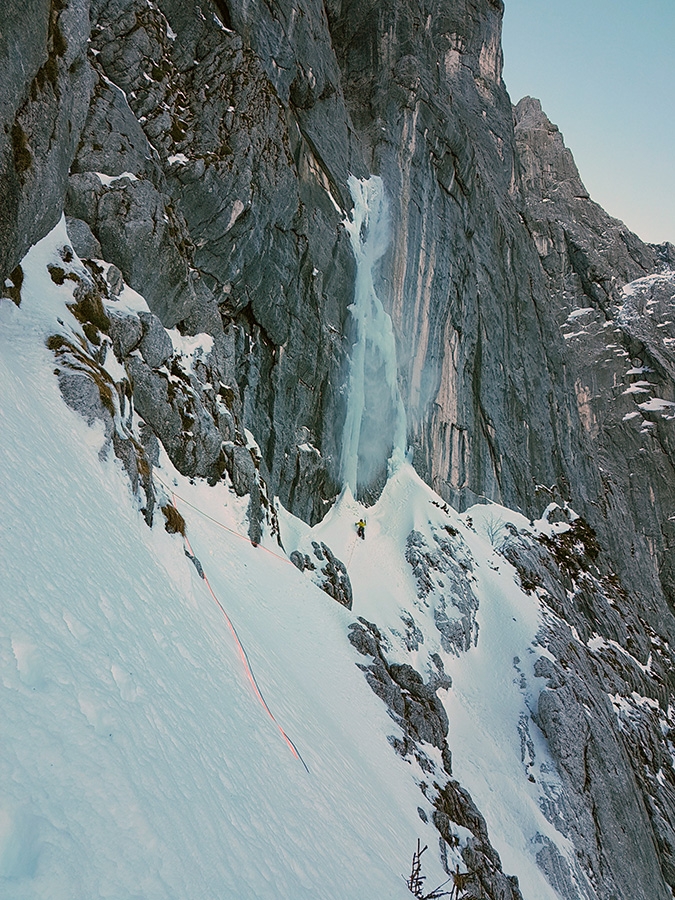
x,y
373,362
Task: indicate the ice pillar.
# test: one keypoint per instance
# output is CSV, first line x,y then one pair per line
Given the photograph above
x,y
375,424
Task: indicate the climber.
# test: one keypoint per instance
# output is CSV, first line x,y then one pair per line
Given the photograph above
x,y
361,528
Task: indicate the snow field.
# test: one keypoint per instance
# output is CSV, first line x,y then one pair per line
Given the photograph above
x,y
137,761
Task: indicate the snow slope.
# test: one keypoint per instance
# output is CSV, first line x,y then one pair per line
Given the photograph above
x,y
498,752
137,760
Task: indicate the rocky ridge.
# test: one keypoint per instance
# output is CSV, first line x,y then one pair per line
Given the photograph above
x,y
612,296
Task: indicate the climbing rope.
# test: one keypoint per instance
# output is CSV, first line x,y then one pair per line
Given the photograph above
x,y
240,647
201,512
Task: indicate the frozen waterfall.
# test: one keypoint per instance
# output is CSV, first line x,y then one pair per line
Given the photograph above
x,y
375,425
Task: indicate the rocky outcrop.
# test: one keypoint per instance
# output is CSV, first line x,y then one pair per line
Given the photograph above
x,y
326,571
86,383
608,697
118,365
414,705
443,576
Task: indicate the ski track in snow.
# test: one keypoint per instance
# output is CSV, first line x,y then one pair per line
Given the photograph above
x,y
137,761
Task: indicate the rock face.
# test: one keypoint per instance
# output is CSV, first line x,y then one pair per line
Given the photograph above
x,y
239,146
586,254
604,712
619,349
480,376
44,95
201,150
624,368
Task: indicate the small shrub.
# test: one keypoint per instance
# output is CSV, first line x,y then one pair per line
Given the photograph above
x,y
416,880
574,550
529,581
92,334
57,274
89,308
175,523
78,360
495,529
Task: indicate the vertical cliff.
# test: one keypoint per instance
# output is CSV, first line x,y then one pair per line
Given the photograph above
x,y
44,95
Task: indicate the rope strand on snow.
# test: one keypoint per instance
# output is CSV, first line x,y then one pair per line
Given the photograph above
x,y
242,652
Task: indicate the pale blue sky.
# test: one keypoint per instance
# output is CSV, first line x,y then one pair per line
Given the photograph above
x,y
604,71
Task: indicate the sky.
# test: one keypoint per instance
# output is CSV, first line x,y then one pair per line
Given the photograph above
x,y
604,71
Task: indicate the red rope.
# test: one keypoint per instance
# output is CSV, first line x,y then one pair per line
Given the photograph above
x,y
242,652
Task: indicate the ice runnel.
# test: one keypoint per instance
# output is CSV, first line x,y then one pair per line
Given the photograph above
x,y
375,424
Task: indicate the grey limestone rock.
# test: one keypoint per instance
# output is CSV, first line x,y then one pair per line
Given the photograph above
x,y
126,331
87,386
557,871
310,488
84,191
255,513
625,381
328,572
414,705
44,89
114,280
221,118
82,394
84,243
241,467
140,233
593,763
155,345
336,581
615,355
443,582
608,665
439,131
175,411
587,255
412,702
113,141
